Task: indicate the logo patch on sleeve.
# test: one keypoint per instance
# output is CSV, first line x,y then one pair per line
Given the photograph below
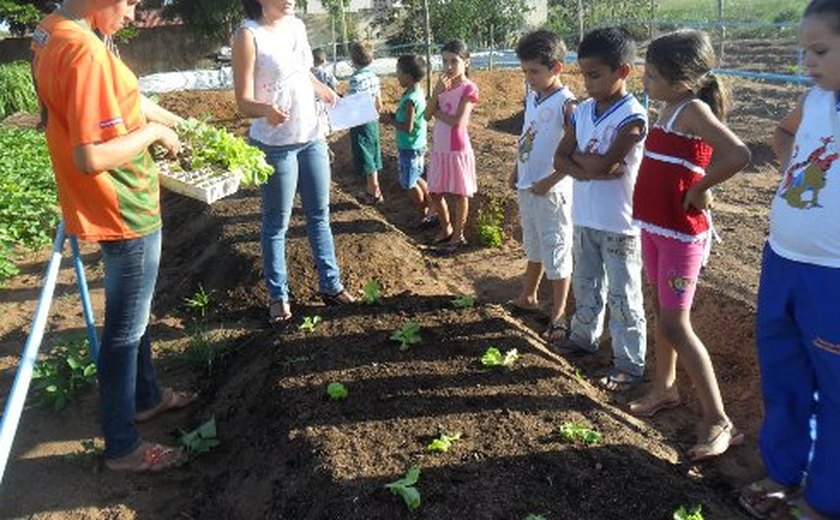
x,y
108,123
41,35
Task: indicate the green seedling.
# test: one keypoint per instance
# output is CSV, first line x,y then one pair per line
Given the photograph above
x,y
443,442
371,292
336,391
64,374
201,440
577,432
532,516
578,375
489,223
685,513
464,301
493,357
199,302
404,488
407,335
89,453
309,323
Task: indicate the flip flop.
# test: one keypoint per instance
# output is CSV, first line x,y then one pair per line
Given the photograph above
x,y
279,313
519,310
644,408
342,298
795,509
149,457
759,500
717,445
170,400
619,381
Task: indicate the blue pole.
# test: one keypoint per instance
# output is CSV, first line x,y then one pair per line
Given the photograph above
x,y
17,397
90,322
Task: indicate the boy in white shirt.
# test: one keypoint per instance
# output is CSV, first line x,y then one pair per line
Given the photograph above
x,y
603,151
544,196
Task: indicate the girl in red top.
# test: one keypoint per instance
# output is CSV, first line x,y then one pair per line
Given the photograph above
x,y
688,151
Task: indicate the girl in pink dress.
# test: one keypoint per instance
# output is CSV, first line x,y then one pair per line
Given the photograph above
x,y
452,165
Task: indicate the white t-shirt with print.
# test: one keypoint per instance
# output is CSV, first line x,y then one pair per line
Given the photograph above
x,y
542,131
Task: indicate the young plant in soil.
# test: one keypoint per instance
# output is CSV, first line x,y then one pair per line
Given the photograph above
x,y
407,335
88,455
464,301
336,391
532,516
199,302
65,373
443,442
201,349
489,223
404,488
577,432
371,292
309,323
493,358
686,513
201,440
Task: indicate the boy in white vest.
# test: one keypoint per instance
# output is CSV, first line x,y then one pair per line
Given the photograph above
x,y
602,151
544,195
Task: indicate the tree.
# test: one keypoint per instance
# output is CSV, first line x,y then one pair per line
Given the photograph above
x,y
21,17
563,14
211,18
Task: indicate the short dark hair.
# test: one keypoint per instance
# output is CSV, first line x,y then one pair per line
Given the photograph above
x,y
253,9
361,53
413,65
825,7
543,46
319,56
611,45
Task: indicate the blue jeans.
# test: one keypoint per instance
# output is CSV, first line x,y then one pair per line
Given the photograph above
x,y
127,379
609,265
306,167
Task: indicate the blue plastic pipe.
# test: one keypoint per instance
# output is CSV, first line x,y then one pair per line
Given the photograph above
x,y
17,397
90,323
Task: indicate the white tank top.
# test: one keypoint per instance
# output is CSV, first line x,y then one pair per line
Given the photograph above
x,y
607,205
281,77
542,131
805,216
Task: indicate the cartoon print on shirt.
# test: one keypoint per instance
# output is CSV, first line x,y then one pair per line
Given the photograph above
x,y
526,143
807,177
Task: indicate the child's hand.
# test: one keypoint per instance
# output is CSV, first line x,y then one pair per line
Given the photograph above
x,y
699,198
387,118
542,186
276,116
442,85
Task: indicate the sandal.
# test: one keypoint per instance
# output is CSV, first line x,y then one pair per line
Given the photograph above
x,y
762,497
648,407
517,309
619,381
371,199
341,298
279,312
169,400
719,440
795,509
149,457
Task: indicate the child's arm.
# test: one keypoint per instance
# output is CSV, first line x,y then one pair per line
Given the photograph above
x,y
785,133
377,101
432,103
595,166
730,155
325,93
461,117
407,125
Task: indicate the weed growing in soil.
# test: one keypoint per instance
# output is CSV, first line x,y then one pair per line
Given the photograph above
x,y
88,455
493,357
336,391
371,292
464,301
443,442
202,350
199,302
201,440
404,488
577,432
65,373
532,516
489,223
407,335
309,323
686,513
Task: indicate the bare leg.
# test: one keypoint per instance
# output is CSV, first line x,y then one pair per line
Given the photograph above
x,y
559,295
664,386
528,298
373,188
439,205
462,206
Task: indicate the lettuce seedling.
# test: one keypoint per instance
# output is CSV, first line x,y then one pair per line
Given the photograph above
x,y
404,488
200,440
443,442
493,357
309,323
577,432
684,513
532,516
464,301
371,292
336,391
407,335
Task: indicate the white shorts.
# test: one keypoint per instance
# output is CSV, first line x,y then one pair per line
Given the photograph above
x,y
547,230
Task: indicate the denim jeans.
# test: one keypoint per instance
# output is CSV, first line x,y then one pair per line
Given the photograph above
x,y
609,265
304,167
127,379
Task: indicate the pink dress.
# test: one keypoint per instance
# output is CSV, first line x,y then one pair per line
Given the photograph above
x,y
452,164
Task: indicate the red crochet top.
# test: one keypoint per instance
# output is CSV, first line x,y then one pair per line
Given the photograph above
x,y
672,163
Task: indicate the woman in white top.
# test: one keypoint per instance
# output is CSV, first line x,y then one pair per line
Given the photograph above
x,y
274,86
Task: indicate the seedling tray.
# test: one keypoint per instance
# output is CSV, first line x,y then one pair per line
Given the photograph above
x,y
206,184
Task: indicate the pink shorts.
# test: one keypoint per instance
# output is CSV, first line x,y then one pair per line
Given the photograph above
x,y
672,267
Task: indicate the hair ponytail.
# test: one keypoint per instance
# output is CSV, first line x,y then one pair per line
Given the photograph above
x,y
253,9
711,91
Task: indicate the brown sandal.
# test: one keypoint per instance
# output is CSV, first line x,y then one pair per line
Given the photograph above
x,y
342,298
148,457
279,312
762,497
170,400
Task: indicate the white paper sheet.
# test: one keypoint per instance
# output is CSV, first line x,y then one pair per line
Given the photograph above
x,y
353,110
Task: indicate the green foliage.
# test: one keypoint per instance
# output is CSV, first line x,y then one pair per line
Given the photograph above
x,y
489,223
63,375
88,455
407,335
201,440
404,488
17,92
563,15
210,18
685,513
337,391
577,432
493,357
371,292
199,302
126,34
464,301
309,323
21,17
533,516
204,146
443,442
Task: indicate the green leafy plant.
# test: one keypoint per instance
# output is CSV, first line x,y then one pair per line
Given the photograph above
x,y
443,442
90,452
464,301
309,323
201,440
65,373
17,93
407,335
493,357
577,432
200,301
337,391
371,292
405,489
489,223
686,513
533,516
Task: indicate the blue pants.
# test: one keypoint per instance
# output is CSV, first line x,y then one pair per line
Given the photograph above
x,y
127,379
798,340
306,167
